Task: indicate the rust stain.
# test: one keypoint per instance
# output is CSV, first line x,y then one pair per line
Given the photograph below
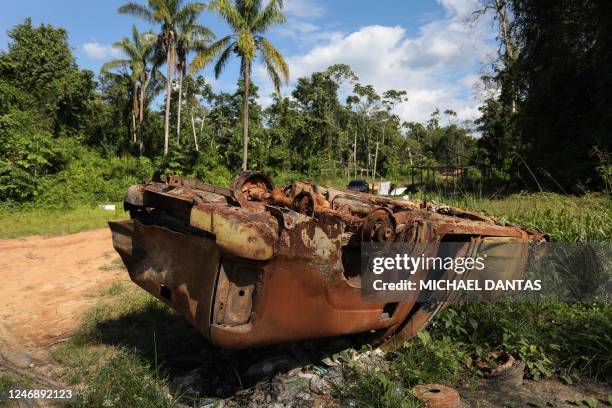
x,y
252,264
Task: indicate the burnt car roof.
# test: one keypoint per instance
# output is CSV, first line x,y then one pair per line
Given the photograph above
x,y
253,264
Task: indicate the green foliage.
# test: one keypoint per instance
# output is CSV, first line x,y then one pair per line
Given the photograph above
x,y
39,63
18,222
212,172
549,337
426,359
564,218
553,91
26,154
124,381
92,179
371,388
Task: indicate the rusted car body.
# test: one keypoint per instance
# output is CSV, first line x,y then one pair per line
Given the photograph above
x,y
254,265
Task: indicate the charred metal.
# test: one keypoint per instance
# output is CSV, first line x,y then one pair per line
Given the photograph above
x,y
253,264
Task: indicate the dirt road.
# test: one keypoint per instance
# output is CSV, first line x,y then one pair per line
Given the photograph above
x,y
45,286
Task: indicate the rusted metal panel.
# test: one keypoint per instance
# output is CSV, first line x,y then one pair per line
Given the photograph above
x,y
253,264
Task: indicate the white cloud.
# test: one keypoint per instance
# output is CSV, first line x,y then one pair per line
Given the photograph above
x,y
304,33
459,8
96,50
437,66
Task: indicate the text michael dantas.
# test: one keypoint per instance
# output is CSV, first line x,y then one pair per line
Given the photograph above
x,y
406,264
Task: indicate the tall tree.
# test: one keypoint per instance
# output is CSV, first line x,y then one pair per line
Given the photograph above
x,y
191,37
138,51
566,88
249,20
503,13
39,74
170,15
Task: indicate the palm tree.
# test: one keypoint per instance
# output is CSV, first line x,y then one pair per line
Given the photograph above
x,y
170,14
191,37
138,51
249,20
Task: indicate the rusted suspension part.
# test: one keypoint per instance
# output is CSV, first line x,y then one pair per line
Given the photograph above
x,y
253,185
304,203
379,226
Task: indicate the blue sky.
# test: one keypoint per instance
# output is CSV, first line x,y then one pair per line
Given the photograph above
x,y
422,46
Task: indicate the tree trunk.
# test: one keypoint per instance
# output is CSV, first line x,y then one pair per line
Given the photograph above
x,y
195,138
133,127
504,26
180,100
134,110
143,88
375,160
245,114
168,96
355,153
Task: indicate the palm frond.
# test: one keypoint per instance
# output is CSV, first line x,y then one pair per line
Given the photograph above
x,y
136,37
118,63
136,10
271,14
162,11
273,74
128,48
203,58
273,58
158,55
189,13
222,61
202,33
229,13
199,46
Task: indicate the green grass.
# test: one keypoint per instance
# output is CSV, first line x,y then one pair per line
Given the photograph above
x,y
111,371
375,389
563,218
115,289
46,222
10,380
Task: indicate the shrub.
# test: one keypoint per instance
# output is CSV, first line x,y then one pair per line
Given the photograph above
x,y
91,179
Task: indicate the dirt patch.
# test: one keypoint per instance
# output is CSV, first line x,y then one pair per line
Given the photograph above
x,y
46,285
545,393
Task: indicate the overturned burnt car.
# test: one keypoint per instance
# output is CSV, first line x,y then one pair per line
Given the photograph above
x,y
254,265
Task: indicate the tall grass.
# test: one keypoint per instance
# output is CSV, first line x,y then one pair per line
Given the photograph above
x,y
585,218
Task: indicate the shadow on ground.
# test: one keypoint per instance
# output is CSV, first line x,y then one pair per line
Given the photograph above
x,y
197,368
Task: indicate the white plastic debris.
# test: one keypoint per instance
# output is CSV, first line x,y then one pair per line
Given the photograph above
x,y
398,191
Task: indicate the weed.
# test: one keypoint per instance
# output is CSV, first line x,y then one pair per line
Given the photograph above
x,y
427,360
124,381
115,289
369,388
549,337
10,380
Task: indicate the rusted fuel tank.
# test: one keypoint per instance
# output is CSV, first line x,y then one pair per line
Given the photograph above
x,y
253,265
